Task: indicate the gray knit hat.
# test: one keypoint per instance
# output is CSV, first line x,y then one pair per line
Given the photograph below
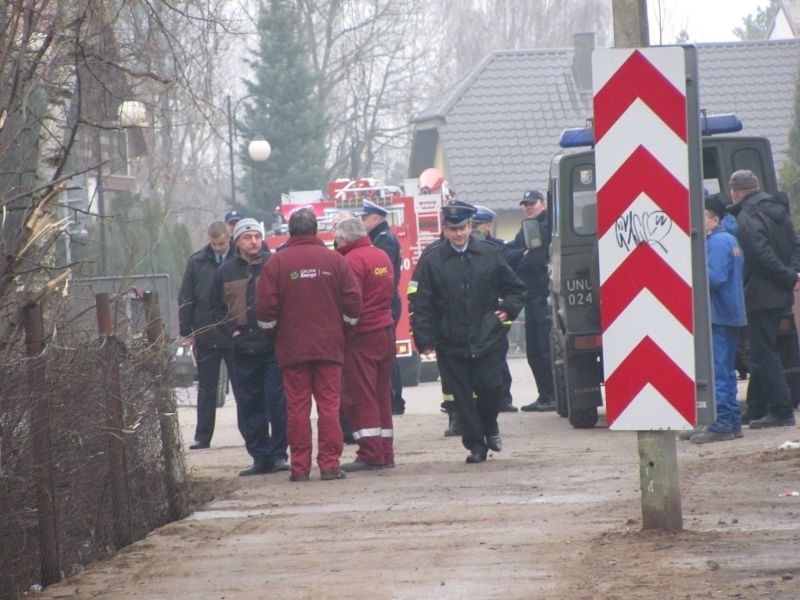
x,y
743,180
247,225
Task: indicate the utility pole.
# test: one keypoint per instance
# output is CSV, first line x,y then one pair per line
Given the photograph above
x,y
658,456
631,29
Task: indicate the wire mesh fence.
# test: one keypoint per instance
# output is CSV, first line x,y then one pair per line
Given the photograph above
x,y
90,456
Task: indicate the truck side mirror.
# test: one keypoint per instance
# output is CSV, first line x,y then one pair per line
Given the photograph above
x,y
532,231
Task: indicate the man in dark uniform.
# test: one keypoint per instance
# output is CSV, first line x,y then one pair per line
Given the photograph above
x,y
199,331
465,291
381,236
482,224
530,264
232,217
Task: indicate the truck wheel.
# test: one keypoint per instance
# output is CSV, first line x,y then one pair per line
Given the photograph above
x,y
428,371
409,370
559,373
584,417
222,384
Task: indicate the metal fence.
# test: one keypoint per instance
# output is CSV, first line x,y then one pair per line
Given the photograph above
x,y
90,456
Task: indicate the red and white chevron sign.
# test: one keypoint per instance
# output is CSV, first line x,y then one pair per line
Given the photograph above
x,y
642,170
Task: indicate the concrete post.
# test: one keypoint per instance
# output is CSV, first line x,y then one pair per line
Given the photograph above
x,y
658,459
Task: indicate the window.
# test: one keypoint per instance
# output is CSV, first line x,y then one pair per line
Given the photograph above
x,y
584,200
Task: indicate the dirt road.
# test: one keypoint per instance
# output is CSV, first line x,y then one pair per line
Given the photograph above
x,y
554,516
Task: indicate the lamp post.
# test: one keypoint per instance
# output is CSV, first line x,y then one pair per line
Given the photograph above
x,y
258,149
130,113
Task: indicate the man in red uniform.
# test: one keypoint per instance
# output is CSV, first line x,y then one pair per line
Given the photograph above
x,y
369,351
306,296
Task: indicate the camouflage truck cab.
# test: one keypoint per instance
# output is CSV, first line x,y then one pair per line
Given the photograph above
x,y
576,343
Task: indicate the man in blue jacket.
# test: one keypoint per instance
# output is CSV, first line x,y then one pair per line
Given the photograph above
x,y
725,282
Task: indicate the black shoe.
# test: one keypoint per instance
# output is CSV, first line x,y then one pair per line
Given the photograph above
x,y
358,465
477,454
772,421
398,410
707,436
494,442
331,475
508,408
199,446
259,467
349,439
687,434
539,406
278,465
748,416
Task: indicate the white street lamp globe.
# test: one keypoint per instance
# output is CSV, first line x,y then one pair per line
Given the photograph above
x,y
132,113
259,150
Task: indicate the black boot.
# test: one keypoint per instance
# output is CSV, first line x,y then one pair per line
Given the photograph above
x,y
453,426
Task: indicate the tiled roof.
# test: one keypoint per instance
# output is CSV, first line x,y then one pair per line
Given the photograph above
x,y
499,126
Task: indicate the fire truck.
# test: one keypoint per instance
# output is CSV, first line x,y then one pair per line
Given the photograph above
x,y
414,218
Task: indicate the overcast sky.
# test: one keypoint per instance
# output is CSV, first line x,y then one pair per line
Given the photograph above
x,y
705,20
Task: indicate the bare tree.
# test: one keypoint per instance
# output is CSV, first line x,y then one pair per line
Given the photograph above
x,y
70,67
471,29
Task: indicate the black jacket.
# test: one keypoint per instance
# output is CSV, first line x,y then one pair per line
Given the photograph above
x,y
531,264
456,296
233,297
194,300
382,237
770,248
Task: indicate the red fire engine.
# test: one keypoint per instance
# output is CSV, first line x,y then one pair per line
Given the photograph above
x,y
414,219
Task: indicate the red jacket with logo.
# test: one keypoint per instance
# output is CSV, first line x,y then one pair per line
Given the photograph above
x,y
373,270
305,298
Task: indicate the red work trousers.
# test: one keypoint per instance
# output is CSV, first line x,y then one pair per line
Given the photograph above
x,y
323,379
367,394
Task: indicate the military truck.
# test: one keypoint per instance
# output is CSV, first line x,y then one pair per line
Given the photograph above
x,y
576,343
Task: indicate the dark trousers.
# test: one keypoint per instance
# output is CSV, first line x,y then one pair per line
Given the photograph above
x,y
208,361
398,402
481,376
538,324
260,404
506,399
767,391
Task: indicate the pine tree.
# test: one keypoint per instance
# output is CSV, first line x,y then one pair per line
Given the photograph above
x,y
790,172
757,28
285,110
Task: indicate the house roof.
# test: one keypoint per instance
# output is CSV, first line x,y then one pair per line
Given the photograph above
x,y
499,126
786,22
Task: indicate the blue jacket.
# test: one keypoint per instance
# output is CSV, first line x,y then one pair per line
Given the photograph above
x,y
725,279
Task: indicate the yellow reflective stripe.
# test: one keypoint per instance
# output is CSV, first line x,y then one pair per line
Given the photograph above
x,y
412,288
